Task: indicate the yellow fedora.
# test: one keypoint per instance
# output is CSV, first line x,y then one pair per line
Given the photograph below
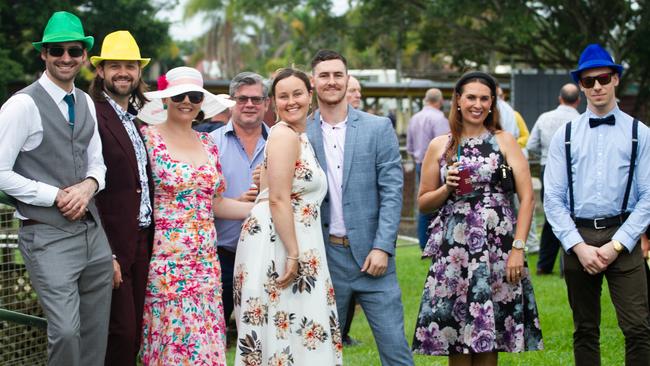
x,y
119,45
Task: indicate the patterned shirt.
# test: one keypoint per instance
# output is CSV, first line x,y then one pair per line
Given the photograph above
x,y
144,217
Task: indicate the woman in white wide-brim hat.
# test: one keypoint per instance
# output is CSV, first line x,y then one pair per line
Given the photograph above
x,y
183,312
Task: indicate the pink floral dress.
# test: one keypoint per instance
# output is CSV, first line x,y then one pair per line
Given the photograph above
x,y
297,325
183,312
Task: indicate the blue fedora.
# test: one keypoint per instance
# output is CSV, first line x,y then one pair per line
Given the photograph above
x,y
592,57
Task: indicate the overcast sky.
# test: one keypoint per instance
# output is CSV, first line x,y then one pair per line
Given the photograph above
x,y
193,28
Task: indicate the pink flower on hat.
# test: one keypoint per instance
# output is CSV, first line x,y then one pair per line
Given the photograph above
x,y
162,82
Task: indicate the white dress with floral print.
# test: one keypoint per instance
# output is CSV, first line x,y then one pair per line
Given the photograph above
x,y
297,325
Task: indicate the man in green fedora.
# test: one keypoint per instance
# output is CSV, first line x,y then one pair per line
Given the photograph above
x,y
51,163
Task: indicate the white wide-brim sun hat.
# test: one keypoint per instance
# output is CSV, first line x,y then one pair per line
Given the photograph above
x,y
177,81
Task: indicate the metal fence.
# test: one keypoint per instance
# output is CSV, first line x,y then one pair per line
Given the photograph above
x,y
23,340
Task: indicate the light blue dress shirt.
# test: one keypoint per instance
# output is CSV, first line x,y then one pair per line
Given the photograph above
x,y
237,168
600,165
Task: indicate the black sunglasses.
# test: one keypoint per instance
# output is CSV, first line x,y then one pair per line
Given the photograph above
x,y
58,51
603,79
195,97
242,100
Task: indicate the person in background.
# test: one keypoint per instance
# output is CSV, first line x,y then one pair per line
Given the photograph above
x,y
508,120
478,297
241,147
597,199
210,124
353,93
532,242
125,204
540,139
423,127
51,163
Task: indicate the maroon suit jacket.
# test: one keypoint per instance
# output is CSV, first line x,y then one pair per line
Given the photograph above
x,y
119,202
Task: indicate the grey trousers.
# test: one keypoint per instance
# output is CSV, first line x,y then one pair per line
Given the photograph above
x,y
381,301
72,273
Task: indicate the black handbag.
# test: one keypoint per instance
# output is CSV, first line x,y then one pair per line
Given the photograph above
x,y
506,178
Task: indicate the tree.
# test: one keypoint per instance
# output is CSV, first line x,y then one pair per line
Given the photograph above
x,y
22,23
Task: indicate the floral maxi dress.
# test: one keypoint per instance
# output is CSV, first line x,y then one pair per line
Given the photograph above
x,y
183,313
297,325
467,306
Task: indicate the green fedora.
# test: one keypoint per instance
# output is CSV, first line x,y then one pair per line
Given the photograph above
x,y
64,27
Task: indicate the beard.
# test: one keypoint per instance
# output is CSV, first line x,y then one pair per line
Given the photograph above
x,y
122,92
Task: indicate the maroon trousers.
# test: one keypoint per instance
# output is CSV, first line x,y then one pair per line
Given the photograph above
x,y
125,328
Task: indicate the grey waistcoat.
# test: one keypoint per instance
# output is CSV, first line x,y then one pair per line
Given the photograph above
x,y
61,159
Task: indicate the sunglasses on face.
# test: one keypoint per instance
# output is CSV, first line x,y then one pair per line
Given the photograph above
x,y
603,79
195,97
58,51
242,100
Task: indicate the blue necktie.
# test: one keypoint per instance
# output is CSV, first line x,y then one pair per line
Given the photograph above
x,y
69,99
609,120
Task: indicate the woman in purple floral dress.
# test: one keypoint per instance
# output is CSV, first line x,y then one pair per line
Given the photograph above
x,y
284,299
183,321
478,298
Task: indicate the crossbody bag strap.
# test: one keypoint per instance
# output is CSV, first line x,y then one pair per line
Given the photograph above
x,y
567,153
630,176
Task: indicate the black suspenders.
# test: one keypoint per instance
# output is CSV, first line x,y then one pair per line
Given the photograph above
x,y
630,176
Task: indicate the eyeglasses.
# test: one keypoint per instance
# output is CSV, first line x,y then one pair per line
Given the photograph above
x,y
242,100
603,79
195,97
58,51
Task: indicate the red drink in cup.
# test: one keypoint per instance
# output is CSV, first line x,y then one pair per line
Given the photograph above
x,y
465,182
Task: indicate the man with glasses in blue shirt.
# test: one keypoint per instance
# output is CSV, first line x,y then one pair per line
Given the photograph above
x,y
241,150
597,199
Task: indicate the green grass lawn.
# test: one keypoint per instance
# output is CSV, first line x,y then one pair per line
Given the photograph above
x,y
555,317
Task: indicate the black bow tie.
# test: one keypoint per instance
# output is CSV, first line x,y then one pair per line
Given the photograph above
x,y
595,122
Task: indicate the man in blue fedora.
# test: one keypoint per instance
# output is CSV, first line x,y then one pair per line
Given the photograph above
x,y
51,163
597,199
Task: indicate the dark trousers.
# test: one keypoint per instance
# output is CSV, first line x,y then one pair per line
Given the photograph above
x,y
424,219
345,332
549,245
627,285
227,261
127,305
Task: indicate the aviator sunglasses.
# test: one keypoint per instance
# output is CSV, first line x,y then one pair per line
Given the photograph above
x,y
195,97
603,79
58,51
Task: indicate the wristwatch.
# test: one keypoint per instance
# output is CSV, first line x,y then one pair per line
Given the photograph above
x,y
518,244
618,247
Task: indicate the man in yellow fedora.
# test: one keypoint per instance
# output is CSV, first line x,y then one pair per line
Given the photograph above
x,y
51,163
125,203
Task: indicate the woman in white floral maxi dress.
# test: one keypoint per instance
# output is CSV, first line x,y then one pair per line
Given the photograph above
x,y
297,324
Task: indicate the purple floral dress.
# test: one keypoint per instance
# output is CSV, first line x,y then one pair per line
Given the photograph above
x,y
467,305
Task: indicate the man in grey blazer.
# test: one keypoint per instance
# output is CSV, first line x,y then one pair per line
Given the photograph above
x,y
361,213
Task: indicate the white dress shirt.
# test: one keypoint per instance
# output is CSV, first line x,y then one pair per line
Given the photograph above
x,y
21,129
545,127
333,144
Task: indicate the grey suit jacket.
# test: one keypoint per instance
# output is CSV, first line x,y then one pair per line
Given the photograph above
x,y
372,182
